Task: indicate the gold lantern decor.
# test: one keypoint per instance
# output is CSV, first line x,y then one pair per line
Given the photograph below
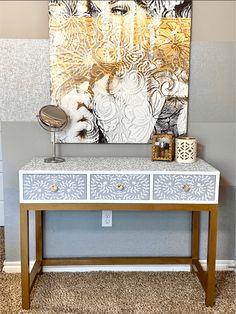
x,y
163,147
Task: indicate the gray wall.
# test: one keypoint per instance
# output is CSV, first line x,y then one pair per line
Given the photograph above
x,y
24,88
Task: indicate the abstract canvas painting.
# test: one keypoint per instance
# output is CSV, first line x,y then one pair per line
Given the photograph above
x,y
120,69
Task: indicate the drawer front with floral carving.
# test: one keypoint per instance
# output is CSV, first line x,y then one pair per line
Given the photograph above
x,y
178,187
54,187
119,187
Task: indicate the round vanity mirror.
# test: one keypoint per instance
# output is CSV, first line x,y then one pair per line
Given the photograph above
x,y
53,119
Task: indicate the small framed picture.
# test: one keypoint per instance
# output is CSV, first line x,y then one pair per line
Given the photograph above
x,y
163,147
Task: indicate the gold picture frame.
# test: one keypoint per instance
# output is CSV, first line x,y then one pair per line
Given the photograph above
x,y
163,147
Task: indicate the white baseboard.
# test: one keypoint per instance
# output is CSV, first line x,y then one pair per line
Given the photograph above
x,y
14,267
221,265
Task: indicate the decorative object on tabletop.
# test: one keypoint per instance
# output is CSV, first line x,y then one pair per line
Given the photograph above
x,y
120,69
52,119
185,149
163,147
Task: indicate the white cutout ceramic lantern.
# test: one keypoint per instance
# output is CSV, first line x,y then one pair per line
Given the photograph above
x,y
185,149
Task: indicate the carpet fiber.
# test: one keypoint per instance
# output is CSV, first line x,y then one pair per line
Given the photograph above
x,y
122,292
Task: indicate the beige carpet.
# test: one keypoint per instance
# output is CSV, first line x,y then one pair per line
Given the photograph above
x,y
108,292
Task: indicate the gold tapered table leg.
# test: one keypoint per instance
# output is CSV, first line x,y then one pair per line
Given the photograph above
x,y
39,237
211,257
25,275
195,235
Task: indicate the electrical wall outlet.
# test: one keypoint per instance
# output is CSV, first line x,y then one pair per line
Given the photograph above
x,y
107,218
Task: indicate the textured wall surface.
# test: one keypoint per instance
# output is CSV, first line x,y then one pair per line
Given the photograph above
x,y
24,78
24,88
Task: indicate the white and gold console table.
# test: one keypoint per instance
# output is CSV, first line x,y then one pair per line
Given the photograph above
x,y
132,184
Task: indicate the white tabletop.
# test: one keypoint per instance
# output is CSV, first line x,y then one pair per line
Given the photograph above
x,y
116,164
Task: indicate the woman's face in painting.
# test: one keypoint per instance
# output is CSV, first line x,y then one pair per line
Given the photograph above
x,y
115,7
121,101
118,50
118,24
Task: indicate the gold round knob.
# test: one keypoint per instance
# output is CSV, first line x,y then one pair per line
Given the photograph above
x,y
185,187
120,186
54,188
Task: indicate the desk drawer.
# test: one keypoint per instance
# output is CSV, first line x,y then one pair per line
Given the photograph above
x,y
119,187
184,187
54,187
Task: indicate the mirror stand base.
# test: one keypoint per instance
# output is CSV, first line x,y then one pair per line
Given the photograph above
x,y
54,160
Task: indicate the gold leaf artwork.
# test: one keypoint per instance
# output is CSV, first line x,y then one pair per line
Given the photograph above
x,y
123,56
